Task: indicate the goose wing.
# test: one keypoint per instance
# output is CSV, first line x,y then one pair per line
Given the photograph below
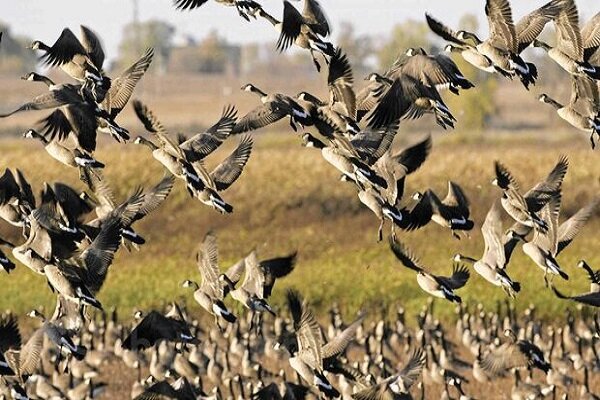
x,y
584,96
442,30
590,299
491,229
308,331
568,34
590,35
207,260
315,17
63,50
571,227
371,144
460,276
10,337
123,86
154,126
161,389
50,99
9,189
549,240
503,358
502,28
231,168
99,187
274,269
397,102
188,4
338,345
254,280
26,193
413,369
405,256
26,360
263,115
531,25
540,194
153,198
291,26
340,81
202,144
58,126
93,47
457,199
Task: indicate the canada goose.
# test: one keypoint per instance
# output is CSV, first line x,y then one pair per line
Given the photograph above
x,y
572,49
397,385
544,247
593,276
492,265
337,115
56,96
306,30
406,97
273,108
80,59
467,51
245,8
179,390
16,199
514,354
583,109
451,212
437,286
512,200
72,157
212,292
438,71
536,198
353,168
259,280
155,327
307,360
59,336
591,298
104,203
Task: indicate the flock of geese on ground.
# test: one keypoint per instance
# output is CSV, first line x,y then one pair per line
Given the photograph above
x,y
71,236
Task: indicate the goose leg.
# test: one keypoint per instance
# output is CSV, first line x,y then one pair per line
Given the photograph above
x,y
293,125
380,232
393,231
546,277
455,235
592,141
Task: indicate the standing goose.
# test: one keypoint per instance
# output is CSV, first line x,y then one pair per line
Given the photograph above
x,y
78,59
245,8
212,292
155,327
397,385
437,286
451,212
583,109
273,108
306,30
514,354
512,200
572,50
492,265
307,361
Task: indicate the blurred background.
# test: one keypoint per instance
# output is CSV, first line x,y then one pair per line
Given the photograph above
x,y
289,198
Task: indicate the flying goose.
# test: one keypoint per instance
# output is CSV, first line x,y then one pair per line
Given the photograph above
x,y
246,8
536,198
273,108
59,336
306,30
492,265
451,212
16,198
104,203
437,286
155,327
432,70
572,49
544,247
80,59
307,360
593,276
514,354
406,97
512,200
397,385
583,109
72,157
181,389
337,115
259,280
211,294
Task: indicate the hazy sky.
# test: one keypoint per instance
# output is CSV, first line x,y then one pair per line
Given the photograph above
x,y
44,19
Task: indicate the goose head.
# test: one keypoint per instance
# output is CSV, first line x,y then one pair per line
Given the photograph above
x,y
311,141
188,283
37,45
36,314
410,51
31,134
249,87
32,76
582,264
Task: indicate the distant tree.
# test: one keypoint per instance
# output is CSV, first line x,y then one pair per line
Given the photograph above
x,y
139,36
213,53
15,58
358,48
407,34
